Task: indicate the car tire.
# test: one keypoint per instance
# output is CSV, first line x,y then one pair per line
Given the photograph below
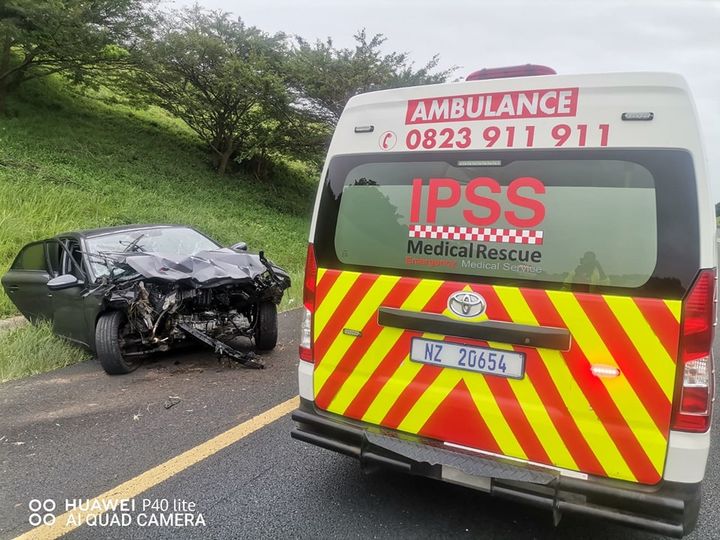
x,y
107,344
266,326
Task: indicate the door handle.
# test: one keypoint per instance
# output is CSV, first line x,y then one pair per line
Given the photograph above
x,y
13,288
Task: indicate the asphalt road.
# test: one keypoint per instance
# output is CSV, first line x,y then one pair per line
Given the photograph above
x,y
75,433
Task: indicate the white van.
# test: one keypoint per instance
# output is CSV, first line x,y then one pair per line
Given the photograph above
x,y
510,285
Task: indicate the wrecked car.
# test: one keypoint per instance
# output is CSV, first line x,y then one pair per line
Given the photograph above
x,y
127,292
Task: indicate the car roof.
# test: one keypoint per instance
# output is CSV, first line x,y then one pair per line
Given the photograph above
x,y
89,233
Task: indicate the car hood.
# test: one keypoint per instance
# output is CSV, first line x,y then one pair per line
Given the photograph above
x,y
203,269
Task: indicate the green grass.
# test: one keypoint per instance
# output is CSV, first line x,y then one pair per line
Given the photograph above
x,y
70,161
29,349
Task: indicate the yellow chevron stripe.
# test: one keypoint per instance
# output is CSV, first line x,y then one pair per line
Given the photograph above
x,y
588,423
675,307
380,347
493,416
481,395
646,342
430,400
483,398
538,417
391,390
333,298
528,398
320,274
359,318
650,438
485,403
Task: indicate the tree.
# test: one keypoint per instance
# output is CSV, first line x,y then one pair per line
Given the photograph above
x,y
73,37
325,77
222,78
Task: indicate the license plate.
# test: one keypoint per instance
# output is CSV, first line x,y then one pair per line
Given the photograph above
x,y
468,357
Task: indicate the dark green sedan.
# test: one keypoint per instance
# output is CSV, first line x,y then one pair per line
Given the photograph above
x,y
126,292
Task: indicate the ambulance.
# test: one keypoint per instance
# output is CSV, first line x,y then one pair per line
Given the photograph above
x,y
511,286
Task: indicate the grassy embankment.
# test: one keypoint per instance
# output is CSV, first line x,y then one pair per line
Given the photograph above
x,y
34,349
70,161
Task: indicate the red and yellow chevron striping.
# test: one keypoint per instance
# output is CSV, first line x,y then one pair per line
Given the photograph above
x,y
559,414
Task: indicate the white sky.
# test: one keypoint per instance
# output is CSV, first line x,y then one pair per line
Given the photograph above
x,y
572,36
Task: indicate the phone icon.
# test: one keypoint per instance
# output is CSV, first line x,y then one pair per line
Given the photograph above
x,y
388,140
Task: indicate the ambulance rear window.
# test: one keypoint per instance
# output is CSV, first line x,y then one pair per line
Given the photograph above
x,y
587,221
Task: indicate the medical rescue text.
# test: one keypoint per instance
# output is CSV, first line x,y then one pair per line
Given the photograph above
x,y
470,250
479,199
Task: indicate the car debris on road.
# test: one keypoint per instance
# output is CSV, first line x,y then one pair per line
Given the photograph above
x,y
171,401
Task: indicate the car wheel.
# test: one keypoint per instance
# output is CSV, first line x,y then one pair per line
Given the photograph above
x,y
266,326
107,344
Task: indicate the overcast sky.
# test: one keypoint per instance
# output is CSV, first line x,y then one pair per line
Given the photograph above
x,y
572,36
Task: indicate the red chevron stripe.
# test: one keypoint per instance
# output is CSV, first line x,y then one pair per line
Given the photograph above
x,y
423,378
503,394
457,419
516,419
549,394
355,352
510,409
596,393
628,359
575,442
367,394
409,396
325,284
342,313
372,387
662,322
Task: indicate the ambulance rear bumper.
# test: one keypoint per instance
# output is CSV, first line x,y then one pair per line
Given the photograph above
x,y
668,508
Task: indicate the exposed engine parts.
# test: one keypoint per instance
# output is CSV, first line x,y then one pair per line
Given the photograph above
x,y
212,297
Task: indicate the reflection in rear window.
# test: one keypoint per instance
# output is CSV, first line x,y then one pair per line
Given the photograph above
x,y
591,222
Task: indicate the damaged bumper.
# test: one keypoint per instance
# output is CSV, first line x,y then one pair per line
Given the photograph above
x,y
211,297
667,508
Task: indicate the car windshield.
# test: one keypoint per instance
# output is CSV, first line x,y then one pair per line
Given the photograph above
x,y
170,240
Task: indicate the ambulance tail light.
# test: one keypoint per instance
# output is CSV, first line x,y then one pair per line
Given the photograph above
x,y
694,406
306,345
527,70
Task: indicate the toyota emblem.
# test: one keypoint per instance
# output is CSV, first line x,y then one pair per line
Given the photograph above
x,y
466,304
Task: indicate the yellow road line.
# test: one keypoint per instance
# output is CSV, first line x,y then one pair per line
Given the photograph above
x,y
164,471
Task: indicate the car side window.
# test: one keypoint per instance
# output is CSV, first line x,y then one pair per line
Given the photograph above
x,y
53,252
32,257
72,259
